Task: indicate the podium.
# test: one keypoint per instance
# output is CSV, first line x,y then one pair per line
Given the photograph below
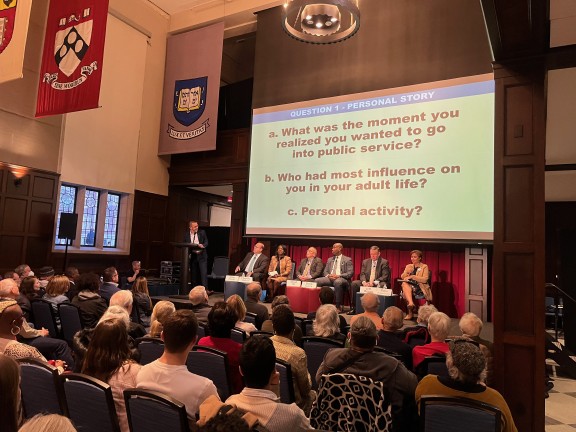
x,y
185,249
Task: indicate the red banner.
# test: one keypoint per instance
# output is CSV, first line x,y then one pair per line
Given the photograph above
x,y
72,59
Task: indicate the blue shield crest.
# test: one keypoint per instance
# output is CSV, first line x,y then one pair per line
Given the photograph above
x,y
189,99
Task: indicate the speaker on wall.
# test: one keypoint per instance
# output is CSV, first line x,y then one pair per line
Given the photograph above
x,y
67,228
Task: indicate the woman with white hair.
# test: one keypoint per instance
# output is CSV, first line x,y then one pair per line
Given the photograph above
x,y
438,326
327,323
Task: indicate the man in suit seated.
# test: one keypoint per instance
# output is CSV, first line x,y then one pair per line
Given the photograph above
x,y
310,267
337,273
375,272
254,264
110,285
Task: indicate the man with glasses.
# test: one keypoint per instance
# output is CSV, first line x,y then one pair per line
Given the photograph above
x,y
110,285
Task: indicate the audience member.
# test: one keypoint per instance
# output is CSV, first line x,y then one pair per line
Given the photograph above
x,y
199,299
124,299
48,423
24,270
225,422
326,296
370,303
110,283
44,275
239,307
310,267
278,271
327,323
10,409
389,337
254,264
419,332
337,273
253,304
268,326
12,275
72,274
471,327
466,368
258,366
286,349
169,374
361,359
143,300
56,293
438,326
221,321
29,290
109,359
90,305
162,310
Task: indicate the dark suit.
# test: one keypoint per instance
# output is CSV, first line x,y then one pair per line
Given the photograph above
x,y
341,283
198,257
382,275
316,268
261,311
260,266
107,290
392,341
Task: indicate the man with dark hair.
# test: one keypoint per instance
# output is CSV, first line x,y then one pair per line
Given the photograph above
x,y
326,296
253,305
360,359
169,374
286,349
110,285
72,274
375,272
258,366
90,305
337,273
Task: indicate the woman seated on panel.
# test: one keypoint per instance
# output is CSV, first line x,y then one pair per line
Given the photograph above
x,y
278,271
415,281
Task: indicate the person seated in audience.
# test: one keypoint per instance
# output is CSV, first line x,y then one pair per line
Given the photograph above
x,y
124,299
143,300
12,275
199,299
24,271
110,283
56,293
375,272
286,349
48,423
419,332
109,359
361,359
73,275
10,409
254,264
50,348
370,303
338,272
268,326
90,305
310,267
471,327
162,310
236,303
44,275
169,374
253,304
438,326
466,368
389,337
326,296
221,321
258,367
231,421
11,321
326,324
415,281
278,271
29,290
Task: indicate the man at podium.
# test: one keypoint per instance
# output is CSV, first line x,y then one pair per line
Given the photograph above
x,y
199,257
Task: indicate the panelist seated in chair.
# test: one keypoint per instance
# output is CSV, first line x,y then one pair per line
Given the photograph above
x,y
415,279
467,372
337,273
278,271
310,267
254,264
375,272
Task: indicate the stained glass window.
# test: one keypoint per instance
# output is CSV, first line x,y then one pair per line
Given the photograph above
x,y
90,218
111,222
67,204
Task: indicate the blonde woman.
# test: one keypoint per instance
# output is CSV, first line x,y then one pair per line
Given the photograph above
x,y
415,279
238,305
143,300
162,310
56,293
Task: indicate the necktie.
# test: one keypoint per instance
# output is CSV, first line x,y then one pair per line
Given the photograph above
x,y
373,272
194,238
250,266
307,269
337,266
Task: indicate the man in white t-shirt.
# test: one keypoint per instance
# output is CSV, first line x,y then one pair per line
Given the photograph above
x,y
169,374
